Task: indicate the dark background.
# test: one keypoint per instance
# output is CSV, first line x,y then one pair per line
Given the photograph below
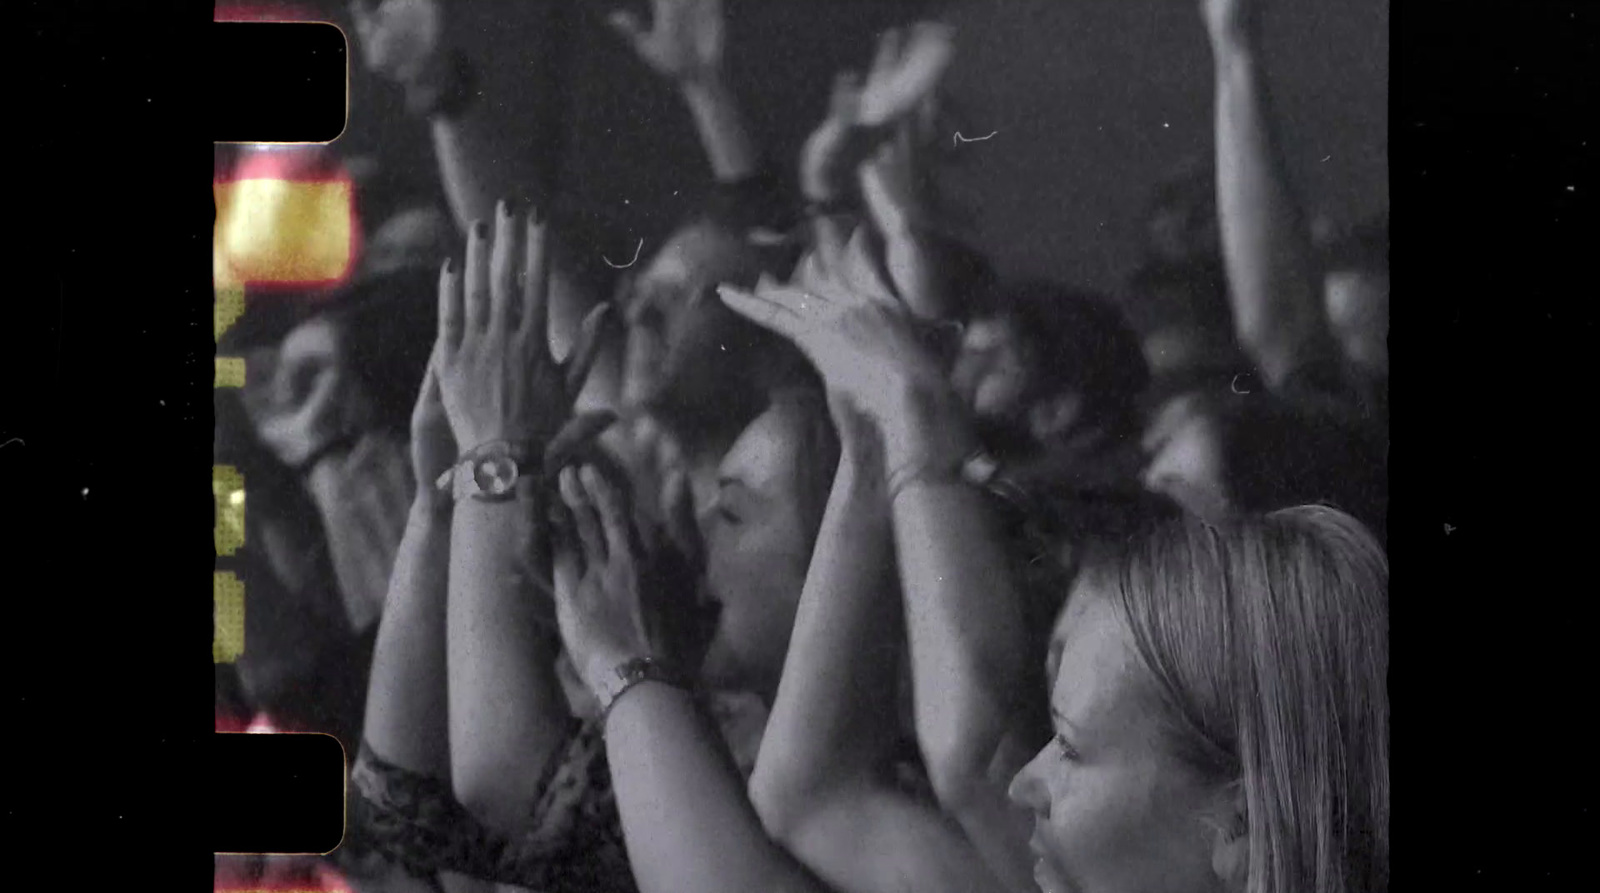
x,y
1092,102
107,377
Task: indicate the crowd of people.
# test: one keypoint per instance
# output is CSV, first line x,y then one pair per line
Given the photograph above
x,y
809,552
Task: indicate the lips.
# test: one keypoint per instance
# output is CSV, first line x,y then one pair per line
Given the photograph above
x,y
1045,873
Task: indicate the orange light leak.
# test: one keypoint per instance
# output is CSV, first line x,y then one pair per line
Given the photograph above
x,y
286,219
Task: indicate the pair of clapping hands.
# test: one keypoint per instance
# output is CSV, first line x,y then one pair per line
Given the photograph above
x,y
622,590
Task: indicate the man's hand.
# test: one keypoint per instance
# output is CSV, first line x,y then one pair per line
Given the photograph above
x,y
684,41
398,39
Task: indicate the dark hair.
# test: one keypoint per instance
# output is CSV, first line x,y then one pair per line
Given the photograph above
x,y
387,329
1075,340
1163,295
1362,248
1280,454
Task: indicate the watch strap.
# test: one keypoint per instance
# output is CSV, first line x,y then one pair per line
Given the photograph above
x,y
630,673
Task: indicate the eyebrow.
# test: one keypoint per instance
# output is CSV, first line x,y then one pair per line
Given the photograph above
x,y
1061,719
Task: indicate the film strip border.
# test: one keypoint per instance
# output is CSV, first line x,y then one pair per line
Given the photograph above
x,y
286,223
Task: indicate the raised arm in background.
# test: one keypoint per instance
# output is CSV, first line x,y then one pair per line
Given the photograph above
x,y
870,130
1266,239
684,44
410,43
499,384
686,818
962,617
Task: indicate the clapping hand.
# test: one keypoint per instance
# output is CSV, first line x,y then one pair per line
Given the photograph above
x,y
840,311
621,592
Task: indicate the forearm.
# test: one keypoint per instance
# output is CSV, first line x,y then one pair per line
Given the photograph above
x,y
1265,239
829,725
506,709
728,145
407,721
687,821
914,268
963,614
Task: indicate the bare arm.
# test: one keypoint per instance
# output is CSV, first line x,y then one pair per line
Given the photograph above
x,y
406,719
963,617
817,784
685,816
408,43
684,43
1266,242
964,622
728,144
499,383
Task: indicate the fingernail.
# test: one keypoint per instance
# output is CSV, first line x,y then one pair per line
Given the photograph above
x,y
591,479
480,229
449,265
505,208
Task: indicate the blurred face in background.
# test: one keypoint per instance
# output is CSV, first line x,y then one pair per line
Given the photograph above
x,y
758,536
991,371
674,319
1186,450
1358,311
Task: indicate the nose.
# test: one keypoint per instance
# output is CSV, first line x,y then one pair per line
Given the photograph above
x,y
1028,790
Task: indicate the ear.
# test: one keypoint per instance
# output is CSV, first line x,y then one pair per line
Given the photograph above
x,y
1230,848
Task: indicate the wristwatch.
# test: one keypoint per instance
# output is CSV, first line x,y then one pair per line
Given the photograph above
x,y
488,473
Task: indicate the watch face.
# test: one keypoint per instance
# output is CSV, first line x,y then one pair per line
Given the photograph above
x,y
496,476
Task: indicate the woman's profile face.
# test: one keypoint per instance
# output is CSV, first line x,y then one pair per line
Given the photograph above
x,y
758,548
1114,810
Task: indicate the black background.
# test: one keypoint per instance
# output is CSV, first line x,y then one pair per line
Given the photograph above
x,y
108,374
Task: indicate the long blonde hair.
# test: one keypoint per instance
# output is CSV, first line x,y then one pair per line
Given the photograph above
x,y
1268,639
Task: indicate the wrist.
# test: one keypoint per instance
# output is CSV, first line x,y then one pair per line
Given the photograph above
x,y
927,424
704,88
1232,45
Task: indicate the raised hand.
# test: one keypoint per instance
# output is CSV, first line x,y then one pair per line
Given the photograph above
x,y
398,39
908,65
620,594
684,41
497,379
830,150
866,347
1228,20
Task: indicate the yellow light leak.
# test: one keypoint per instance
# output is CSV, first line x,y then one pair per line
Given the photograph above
x,y
229,373
284,231
227,488
227,637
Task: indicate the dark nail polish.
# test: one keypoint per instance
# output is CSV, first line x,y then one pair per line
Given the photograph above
x,y
480,229
449,265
